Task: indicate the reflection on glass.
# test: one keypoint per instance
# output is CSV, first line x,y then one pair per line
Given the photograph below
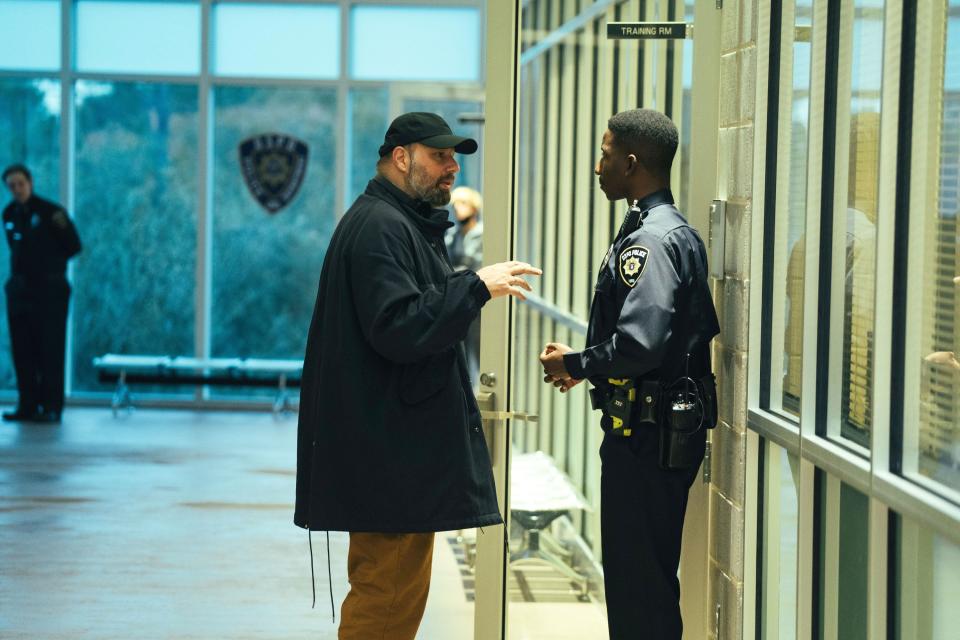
x,y
29,133
939,428
863,182
928,583
30,34
796,212
138,37
136,202
292,41
781,508
844,545
266,265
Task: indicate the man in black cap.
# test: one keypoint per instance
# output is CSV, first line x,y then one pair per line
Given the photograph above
x,y
42,238
390,445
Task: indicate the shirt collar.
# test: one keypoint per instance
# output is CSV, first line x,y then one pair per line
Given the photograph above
x,y
655,199
431,221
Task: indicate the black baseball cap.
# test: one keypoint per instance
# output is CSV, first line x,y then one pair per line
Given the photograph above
x,y
426,128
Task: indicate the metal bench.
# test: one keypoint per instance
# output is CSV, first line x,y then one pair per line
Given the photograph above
x,y
124,370
540,493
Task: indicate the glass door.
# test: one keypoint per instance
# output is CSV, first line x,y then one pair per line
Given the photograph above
x,y
548,102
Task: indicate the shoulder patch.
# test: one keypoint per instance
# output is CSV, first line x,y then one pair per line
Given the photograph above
x,y
632,262
60,219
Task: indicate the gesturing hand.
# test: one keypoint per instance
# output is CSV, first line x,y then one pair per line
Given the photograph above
x,y
503,278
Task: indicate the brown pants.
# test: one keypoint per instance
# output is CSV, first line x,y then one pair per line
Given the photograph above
x,y
389,577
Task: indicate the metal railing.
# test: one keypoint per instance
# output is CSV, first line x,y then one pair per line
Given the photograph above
x,y
556,314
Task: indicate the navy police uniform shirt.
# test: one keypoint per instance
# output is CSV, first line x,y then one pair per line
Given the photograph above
x,y
41,237
652,304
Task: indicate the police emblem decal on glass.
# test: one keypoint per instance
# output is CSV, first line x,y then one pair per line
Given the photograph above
x,y
632,262
273,167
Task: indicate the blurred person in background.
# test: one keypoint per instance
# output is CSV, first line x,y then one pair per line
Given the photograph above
x,y
42,238
465,247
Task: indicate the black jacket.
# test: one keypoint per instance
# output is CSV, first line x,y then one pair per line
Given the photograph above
x,y
41,237
652,303
389,436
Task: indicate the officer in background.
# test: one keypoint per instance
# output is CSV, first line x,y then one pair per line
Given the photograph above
x,y
647,356
42,238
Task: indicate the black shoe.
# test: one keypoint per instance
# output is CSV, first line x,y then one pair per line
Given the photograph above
x,y
19,415
46,417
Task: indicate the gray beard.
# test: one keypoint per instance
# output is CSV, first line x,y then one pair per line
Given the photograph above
x,y
419,184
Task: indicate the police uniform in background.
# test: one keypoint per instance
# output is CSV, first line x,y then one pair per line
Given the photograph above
x,y
647,355
42,238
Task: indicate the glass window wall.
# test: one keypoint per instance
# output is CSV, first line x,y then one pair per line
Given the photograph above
x,y
932,413
136,212
780,494
369,118
438,43
858,142
147,204
266,265
29,133
264,40
30,34
794,243
138,37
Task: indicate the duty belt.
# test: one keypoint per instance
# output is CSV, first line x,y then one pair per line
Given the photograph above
x,y
619,396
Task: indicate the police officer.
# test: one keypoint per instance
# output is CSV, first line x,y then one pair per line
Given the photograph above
x,y
42,238
647,356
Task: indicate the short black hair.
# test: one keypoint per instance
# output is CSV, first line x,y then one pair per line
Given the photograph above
x,y
649,135
17,168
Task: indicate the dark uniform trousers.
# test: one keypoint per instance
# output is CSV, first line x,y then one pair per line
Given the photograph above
x,y
641,517
652,319
37,315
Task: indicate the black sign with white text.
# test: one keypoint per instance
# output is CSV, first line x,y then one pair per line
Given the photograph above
x,y
647,30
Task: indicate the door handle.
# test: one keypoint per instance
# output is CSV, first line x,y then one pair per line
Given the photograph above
x,y
487,401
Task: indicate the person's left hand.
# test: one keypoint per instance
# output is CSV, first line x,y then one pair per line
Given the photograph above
x,y
552,360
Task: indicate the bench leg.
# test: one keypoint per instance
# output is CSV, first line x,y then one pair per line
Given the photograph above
x,y
121,399
281,404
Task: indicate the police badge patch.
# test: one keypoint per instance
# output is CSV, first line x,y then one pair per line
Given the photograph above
x,y
273,166
632,262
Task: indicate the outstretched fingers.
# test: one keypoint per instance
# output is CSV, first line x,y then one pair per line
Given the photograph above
x,y
517,268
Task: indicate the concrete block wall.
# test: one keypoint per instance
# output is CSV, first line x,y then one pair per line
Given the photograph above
x,y
738,84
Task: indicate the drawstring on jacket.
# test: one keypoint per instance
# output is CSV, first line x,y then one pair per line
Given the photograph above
x,y
313,579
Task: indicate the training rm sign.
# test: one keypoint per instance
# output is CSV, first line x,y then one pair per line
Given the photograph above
x,y
647,30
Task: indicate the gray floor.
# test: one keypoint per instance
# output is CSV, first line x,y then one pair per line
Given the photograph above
x,y
159,525
177,524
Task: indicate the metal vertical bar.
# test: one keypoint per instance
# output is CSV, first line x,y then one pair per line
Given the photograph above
x,y
343,120
500,194
67,153
203,269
